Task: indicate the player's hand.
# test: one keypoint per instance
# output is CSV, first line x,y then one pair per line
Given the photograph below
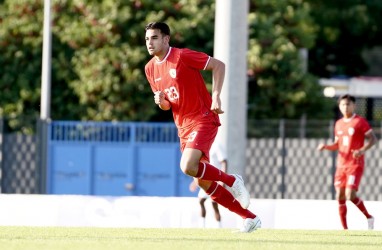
x,y
193,186
216,105
357,153
158,97
160,100
321,147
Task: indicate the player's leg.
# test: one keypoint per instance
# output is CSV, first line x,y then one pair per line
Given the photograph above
x,y
202,222
215,207
340,185
351,194
342,209
195,157
205,171
196,145
202,207
358,202
191,165
223,197
202,199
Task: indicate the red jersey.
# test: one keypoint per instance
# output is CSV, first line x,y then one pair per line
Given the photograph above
x,y
178,76
350,134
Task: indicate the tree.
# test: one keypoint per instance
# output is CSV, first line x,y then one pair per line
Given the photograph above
x,y
346,29
20,60
99,55
279,86
97,60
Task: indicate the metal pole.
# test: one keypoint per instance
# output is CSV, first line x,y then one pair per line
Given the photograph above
x,y
283,169
1,153
45,95
334,161
46,63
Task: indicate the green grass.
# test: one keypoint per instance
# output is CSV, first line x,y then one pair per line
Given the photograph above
x,y
58,238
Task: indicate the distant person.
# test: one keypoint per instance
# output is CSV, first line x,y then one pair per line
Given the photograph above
x,y
218,158
350,133
175,78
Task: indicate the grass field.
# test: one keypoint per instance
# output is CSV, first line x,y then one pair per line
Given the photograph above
x,y
58,238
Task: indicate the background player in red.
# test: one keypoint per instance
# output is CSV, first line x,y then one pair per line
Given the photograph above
x,y
350,133
175,78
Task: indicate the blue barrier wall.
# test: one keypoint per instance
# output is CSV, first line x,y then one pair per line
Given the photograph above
x,y
107,158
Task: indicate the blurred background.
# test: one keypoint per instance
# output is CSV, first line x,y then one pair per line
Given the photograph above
x,y
302,54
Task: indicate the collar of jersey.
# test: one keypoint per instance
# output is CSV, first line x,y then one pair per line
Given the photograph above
x,y
164,59
349,119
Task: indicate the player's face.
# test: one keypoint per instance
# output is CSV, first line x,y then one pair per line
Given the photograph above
x,y
156,43
347,108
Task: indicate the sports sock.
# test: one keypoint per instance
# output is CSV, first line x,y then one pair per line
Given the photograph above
x,y
361,206
222,196
210,173
202,222
342,211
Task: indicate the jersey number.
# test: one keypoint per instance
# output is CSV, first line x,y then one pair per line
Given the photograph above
x,y
192,136
345,140
172,93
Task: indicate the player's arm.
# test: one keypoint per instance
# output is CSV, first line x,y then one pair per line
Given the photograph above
x,y
218,72
193,186
371,139
331,147
160,100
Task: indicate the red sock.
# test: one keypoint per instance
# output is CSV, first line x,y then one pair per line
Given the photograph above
x,y
222,196
343,210
361,206
210,173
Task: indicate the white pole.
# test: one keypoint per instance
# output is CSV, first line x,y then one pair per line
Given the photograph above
x,y
46,63
45,94
230,46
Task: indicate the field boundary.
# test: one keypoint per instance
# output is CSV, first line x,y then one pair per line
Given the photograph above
x,y
171,212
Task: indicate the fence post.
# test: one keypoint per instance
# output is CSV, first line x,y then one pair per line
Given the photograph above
x,y
303,126
333,155
42,138
1,152
283,155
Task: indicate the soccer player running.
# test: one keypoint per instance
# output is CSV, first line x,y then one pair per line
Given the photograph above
x,y
175,78
350,132
218,158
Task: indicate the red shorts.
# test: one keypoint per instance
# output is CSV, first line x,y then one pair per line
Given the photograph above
x,y
348,177
199,137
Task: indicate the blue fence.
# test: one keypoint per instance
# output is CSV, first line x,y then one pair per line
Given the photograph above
x,y
121,158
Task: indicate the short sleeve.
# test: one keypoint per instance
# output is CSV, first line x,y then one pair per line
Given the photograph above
x,y
195,59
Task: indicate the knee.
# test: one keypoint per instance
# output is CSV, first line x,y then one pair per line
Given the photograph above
x,y
340,196
350,196
189,167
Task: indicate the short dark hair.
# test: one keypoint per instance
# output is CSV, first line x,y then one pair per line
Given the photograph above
x,y
163,27
346,97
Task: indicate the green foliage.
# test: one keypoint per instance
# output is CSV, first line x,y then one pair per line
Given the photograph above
x,y
279,87
345,30
99,53
20,50
98,56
